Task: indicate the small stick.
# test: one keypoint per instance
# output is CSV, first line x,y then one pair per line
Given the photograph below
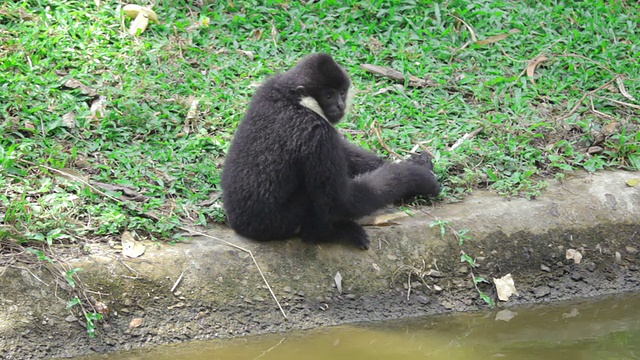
x,y
466,136
179,227
473,34
175,285
634,106
584,96
376,129
248,252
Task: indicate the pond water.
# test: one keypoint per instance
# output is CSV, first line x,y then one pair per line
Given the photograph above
x,y
601,329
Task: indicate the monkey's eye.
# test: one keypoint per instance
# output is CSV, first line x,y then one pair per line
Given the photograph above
x,y
343,92
330,95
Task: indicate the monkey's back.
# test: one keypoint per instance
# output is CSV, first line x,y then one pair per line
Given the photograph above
x,y
262,172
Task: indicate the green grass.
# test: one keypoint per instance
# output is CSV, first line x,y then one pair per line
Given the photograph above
x,y
143,141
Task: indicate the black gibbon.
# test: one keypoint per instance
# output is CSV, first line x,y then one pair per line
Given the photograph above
x,y
289,171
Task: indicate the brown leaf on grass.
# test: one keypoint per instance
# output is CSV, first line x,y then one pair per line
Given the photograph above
x,y
98,107
531,68
395,75
69,120
257,34
623,90
25,15
139,24
75,84
72,175
192,114
128,193
611,128
492,39
246,53
474,38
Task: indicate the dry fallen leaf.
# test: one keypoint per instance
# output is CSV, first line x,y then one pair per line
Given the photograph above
x,y
193,110
505,287
130,247
492,39
25,15
246,53
102,308
571,314
135,322
338,281
385,219
505,315
573,254
633,182
531,68
69,120
610,129
72,175
623,90
139,24
75,84
474,38
395,75
384,90
257,34
98,106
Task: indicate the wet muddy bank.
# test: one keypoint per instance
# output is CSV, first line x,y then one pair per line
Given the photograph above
x,y
410,270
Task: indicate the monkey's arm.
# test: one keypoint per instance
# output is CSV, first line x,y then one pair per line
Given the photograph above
x,y
337,196
359,160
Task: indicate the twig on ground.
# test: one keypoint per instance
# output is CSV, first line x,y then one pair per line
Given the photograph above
x,y
191,231
30,272
633,106
466,136
376,130
584,96
194,232
584,58
175,285
597,112
473,34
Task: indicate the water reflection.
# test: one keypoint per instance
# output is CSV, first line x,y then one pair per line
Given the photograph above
x,y
605,329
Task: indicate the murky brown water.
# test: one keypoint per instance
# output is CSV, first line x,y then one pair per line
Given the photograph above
x,y
602,330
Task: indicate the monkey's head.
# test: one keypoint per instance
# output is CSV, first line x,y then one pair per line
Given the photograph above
x,y
323,86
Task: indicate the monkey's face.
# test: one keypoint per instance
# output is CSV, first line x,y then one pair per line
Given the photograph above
x,y
333,102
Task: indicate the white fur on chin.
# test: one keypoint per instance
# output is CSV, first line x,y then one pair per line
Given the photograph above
x,y
312,104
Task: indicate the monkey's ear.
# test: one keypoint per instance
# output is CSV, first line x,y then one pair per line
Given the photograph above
x,y
300,90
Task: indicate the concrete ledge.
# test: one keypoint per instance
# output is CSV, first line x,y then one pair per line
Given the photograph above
x,y
222,294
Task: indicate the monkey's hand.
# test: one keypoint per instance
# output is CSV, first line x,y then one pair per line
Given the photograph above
x,y
422,159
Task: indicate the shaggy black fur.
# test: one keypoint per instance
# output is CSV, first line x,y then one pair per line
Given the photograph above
x,y
289,172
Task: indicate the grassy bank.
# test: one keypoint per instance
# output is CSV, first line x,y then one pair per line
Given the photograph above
x,y
540,88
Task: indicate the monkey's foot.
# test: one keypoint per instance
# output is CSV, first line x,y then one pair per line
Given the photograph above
x,y
352,232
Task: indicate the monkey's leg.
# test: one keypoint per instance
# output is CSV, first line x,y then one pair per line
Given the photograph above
x,y
316,231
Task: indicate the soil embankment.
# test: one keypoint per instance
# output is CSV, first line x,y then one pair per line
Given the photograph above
x,y
410,270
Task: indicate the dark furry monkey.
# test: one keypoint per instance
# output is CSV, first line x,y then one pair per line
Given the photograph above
x,y
289,172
